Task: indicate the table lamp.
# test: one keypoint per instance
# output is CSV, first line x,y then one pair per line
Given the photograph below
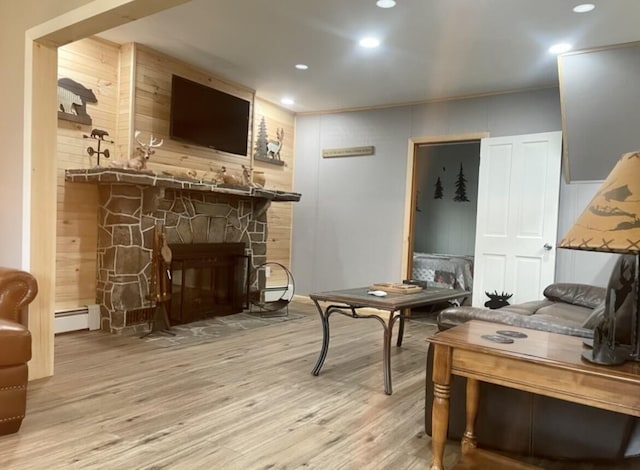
x,y
611,223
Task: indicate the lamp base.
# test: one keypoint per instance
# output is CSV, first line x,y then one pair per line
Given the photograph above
x,y
607,357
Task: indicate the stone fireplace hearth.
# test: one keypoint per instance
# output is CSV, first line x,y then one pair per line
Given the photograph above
x,y
192,212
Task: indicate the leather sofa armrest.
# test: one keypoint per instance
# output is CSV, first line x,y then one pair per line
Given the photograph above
x,y
454,316
583,295
17,290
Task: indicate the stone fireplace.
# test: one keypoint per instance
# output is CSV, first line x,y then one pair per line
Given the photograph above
x,y
193,213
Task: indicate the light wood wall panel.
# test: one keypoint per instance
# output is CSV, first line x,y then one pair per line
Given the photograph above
x,y
126,91
280,215
152,103
152,106
95,64
41,77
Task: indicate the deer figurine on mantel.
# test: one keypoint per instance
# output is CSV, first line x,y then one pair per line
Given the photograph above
x,y
144,152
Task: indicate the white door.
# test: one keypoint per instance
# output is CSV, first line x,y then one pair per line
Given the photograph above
x,y
517,219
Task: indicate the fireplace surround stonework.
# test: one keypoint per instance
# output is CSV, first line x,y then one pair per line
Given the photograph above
x,y
131,204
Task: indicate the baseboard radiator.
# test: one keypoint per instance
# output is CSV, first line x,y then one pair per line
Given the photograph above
x,y
81,318
88,316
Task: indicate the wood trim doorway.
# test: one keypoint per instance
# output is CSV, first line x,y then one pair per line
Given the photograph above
x,y
411,192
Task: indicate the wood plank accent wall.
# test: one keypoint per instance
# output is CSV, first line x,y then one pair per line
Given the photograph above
x,y
95,64
280,215
126,89
133,86
152,103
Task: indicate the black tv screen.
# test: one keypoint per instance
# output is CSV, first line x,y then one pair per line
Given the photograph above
x,y
204,116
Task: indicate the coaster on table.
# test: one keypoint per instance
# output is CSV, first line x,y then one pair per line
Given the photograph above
x,y
511,334
497,339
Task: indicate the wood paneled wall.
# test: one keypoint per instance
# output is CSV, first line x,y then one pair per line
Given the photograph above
x,y
152,102
94,64
126,92
133,86
280,215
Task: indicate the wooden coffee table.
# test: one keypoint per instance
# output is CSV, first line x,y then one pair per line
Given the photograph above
x,y
544,363
347,302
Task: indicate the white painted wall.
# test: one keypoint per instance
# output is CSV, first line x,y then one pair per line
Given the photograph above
x,y
348,226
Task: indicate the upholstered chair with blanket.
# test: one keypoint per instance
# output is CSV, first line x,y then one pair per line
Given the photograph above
x,y
17,290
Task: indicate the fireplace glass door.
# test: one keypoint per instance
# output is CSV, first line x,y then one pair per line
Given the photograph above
x,y
208,279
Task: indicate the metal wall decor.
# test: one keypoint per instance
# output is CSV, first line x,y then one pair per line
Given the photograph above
x,y
461,187
438,192
268,150
72,101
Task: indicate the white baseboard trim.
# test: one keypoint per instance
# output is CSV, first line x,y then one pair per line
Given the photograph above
x,y
82,318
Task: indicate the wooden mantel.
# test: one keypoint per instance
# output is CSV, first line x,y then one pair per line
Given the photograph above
x,y
125,176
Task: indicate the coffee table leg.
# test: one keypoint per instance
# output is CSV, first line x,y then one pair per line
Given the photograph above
x,y
386,354
401,326
324,319
442,395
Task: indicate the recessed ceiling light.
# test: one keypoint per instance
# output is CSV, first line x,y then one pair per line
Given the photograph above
x,y
302,66
386,3
370,42
287,101
560,48
584,8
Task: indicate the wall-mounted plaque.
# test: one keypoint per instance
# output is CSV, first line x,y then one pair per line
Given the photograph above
x,y
348,152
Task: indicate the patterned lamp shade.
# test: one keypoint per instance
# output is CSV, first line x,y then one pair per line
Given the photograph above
x,y
611,221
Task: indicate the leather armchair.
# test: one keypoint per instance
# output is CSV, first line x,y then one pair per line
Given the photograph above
x,y
17,290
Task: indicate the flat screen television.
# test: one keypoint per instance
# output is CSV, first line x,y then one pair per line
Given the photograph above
x,y
204,116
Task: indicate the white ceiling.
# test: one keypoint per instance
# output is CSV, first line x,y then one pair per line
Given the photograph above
x,y
431,49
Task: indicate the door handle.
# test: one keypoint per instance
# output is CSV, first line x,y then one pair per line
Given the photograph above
x,y
547,247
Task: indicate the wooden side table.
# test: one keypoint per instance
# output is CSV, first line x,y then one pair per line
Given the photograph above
x,y
544,363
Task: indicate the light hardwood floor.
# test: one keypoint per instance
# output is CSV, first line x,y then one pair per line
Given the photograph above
x,y
245,400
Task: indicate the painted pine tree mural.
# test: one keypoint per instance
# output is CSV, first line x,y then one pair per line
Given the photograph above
x,y
261,140
461,187
438,193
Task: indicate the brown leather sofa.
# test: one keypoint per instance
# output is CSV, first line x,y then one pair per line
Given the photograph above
x,y
528,424
17,290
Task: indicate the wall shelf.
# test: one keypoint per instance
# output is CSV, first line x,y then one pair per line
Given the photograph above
x,y
272,161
